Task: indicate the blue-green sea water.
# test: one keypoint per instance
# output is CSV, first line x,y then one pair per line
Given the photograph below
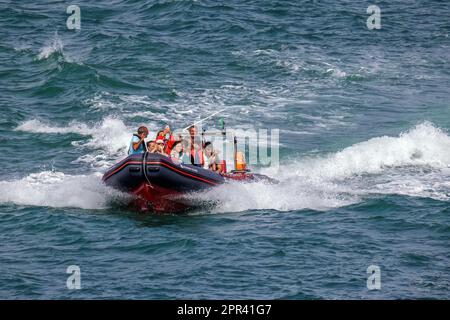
x,y
364,119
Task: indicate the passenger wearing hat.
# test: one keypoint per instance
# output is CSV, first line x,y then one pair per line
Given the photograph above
x,y
168,138
160,146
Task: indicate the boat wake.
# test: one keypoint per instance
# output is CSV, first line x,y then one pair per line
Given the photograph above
x,y
58,190
416,163
105,141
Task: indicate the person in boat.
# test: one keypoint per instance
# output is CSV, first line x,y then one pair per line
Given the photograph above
x,y
160,146
151,146
186,156
160,135
137,144
195,147
212,160
170,139
177,152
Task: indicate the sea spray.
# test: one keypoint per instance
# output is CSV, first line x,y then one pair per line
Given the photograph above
x,y
105,140
53,46
415,163
58,190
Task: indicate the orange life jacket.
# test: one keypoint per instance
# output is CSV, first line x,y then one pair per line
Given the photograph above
x,y
169,144
240,161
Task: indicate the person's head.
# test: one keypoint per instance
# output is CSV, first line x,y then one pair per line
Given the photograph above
x,y
209,148
142,132
159,144
160,133
151,146
166,130
192,130
178,147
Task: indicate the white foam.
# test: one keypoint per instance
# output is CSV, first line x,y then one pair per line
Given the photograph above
x,y
294,60
105,101
111,135
337,73
284,196
37,126
415,163
434,185
423,145
55,45
105,141
58,190
195,104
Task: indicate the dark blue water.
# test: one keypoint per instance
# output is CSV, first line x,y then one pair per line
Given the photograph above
x,y
364,148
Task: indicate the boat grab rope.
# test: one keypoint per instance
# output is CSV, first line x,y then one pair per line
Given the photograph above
x,y
144,167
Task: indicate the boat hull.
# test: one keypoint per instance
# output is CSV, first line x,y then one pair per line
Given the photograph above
x,y
160,184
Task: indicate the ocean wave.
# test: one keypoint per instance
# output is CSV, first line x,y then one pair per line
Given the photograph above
x,y
312,62
240,103
52,47
105,141
424,145
37,126
59,190
55,49
415,163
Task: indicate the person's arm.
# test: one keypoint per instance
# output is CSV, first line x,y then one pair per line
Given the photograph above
x,y
170,143
211,162
217,162
137,144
